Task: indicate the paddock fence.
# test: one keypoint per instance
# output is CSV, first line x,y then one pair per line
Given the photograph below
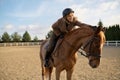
x,y
20,44
107,43
112,43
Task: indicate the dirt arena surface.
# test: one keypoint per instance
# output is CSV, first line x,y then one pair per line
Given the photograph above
x,y
23,63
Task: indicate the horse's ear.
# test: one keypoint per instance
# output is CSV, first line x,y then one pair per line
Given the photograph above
x,y
99,28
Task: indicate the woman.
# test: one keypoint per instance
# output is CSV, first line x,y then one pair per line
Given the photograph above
x,y
61,27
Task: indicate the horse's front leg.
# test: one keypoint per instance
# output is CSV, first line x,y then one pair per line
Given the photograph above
x,y
69,74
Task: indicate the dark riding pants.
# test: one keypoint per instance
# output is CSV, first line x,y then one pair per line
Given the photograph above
x,y
51,46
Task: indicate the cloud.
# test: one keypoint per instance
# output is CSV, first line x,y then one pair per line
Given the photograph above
x,y
106,11
109,5
33,29
114,19
80,11
8,27
38,30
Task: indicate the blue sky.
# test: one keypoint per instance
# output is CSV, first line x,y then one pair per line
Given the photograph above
x,y
37,16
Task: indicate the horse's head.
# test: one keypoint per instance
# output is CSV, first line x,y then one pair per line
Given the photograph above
x,y
90,40
94,47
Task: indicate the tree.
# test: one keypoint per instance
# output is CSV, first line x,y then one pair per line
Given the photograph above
x,y
6,37
26,37
113,32
100,23
16,37
49,34
35,38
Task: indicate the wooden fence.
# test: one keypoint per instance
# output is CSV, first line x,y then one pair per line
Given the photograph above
x,y
108,43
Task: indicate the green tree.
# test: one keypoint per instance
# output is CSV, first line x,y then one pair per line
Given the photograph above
x,y
16,37
49,34
100,23
113,32
26,37
6,37
35,38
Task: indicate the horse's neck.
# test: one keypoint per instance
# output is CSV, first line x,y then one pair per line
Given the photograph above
x,y
75,39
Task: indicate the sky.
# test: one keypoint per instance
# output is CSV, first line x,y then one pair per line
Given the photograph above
x,y
37,16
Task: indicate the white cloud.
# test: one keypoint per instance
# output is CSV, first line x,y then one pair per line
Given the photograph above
x,y
38,30
114,19
8,27
109,5
106,11
80,11
33,29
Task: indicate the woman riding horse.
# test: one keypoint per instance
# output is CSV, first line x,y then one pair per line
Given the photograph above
x,y
60,28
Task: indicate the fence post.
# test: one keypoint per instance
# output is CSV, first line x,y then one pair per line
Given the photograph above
x,y
116,43
107,43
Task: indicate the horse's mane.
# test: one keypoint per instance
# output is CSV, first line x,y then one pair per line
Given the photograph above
x,y
80,31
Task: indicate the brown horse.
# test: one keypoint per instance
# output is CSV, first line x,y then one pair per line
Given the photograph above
x,y
64,57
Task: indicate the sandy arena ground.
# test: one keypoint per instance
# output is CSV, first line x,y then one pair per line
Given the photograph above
x,y
23,63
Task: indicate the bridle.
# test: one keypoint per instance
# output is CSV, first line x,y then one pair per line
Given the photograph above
x,y
88,44
87,54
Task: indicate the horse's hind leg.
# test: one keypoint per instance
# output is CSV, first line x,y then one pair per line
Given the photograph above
x,y
43,73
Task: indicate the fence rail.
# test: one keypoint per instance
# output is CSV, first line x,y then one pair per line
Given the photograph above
x,y
20,44
107,43
112,43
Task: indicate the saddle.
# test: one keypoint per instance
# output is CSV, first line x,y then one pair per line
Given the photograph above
x,y
59,42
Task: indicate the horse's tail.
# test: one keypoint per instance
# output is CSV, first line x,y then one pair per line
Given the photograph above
x,y
41,46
